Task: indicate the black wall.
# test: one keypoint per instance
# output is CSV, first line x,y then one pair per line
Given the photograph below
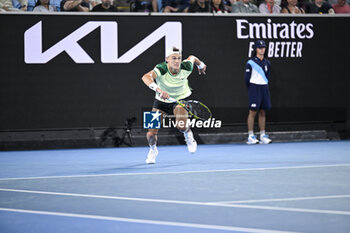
x,y
64,94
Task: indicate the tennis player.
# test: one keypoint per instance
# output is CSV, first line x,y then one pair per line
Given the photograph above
x,y
169,79
257,75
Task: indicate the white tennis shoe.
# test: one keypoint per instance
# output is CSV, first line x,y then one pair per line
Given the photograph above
x,y
252,140
264,139
151,157
191,143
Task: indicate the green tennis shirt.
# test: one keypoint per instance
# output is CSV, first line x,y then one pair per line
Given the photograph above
x,y
175,85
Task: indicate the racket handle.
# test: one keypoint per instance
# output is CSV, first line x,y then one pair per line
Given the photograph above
x,y
172,99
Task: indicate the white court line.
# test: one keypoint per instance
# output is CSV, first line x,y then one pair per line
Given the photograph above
x,y
283,199
107,197
180,172
302,210
144,221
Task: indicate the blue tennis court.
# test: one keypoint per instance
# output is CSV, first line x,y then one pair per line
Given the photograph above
x,y
281,187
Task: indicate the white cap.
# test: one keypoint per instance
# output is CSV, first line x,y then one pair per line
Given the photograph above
x,y
172,50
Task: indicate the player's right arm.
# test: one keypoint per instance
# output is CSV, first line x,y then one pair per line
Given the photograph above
x,y
148,79
200,65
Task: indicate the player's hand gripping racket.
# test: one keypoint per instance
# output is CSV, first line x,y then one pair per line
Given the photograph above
x,y
195,108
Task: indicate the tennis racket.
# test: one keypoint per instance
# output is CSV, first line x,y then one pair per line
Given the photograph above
x,y
195,108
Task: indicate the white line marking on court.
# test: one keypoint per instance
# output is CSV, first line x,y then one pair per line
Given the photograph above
x,y
144,221
283,199
318,211
302,210
106,197
180,172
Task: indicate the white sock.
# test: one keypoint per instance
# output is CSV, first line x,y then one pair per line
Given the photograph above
x,y
251,133
153,147
262,133
187,131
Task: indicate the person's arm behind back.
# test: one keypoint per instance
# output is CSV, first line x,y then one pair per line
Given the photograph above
x,y
247,75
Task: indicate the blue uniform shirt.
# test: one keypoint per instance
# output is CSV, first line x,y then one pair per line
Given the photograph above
x,y
257,71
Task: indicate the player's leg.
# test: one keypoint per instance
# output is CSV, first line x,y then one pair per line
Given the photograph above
x,y
152,142
152,137
152,133
181,117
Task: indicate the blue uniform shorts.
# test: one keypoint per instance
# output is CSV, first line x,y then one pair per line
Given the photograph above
x,y
259,97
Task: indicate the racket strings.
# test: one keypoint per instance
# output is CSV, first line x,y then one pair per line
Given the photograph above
x,y
199,110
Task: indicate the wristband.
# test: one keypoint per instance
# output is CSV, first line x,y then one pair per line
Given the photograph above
x,y
201,65
153,86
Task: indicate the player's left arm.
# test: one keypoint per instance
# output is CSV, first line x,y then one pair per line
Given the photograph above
x,y
200,64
